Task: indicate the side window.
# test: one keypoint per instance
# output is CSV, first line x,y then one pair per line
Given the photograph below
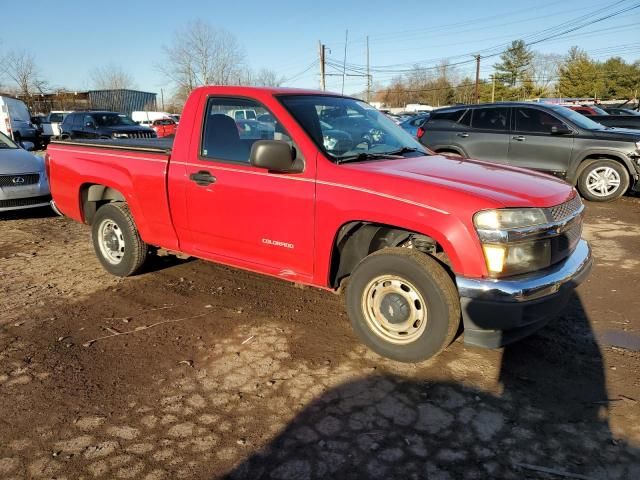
x,y
76,121
446,119
88,119
227,135
534,120
490,118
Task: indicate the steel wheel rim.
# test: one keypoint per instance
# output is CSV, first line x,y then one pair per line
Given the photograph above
x,y
603,181
111,241
402,292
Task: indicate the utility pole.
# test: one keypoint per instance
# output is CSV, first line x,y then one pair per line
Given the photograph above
x,y
321,50
344,64
477,92
368,74
162,98
493,88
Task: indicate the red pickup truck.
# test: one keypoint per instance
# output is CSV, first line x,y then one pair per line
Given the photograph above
x,y
329,192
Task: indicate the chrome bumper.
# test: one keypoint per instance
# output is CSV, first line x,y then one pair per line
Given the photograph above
x,y
55,208
571,272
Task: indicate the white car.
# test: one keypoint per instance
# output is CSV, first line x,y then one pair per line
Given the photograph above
x,y
52,125
146,119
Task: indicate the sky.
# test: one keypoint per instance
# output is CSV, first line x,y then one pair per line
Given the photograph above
x,y
77,36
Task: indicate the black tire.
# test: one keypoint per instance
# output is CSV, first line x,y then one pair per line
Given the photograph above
x,y
134,250
431,282
594,166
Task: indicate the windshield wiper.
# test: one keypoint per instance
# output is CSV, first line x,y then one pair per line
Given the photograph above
x,y
361,157
403,150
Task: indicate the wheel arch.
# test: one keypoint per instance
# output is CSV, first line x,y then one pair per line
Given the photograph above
x,y
590,157
357,239
92,196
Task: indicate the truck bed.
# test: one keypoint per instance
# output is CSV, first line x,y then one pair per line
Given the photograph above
x,y
155,145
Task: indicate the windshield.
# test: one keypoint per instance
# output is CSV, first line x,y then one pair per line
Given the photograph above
x,y
112,120
579,119
6,142
598,110
347,128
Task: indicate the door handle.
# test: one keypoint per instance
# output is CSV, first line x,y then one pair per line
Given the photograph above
x,y
203,178
520,138
463,135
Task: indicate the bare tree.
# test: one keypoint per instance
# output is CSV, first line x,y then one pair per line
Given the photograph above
x,y
545,69
203,55
265,78
20,68
111,77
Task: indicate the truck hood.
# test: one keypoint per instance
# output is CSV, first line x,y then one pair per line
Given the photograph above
x,y
501,185
17,161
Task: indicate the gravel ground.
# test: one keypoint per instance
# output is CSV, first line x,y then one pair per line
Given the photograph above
x,y
197,371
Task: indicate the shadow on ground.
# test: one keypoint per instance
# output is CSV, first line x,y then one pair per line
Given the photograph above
x,y
552,414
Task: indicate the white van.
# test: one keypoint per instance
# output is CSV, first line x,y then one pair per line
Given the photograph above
x,y
147,118
15,120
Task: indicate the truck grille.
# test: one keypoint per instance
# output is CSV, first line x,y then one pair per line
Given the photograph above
x,y
566,209
142,135
19,180
24,202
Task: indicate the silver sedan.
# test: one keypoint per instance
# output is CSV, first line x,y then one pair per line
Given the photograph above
x,y
23,179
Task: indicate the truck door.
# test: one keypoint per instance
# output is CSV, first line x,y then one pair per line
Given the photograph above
x,y
534,145
241,213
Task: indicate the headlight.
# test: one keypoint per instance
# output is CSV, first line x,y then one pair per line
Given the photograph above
x,y
509,218
120,135
505,255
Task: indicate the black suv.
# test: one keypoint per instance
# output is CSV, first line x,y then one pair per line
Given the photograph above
x,y
98,124
603,162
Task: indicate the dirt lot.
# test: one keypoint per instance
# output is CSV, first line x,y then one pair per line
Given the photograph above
x,y
241,376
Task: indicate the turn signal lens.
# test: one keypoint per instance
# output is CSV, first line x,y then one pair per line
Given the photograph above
x,y
495,256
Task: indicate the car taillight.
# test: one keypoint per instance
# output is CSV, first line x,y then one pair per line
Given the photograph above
x,y
420,132
47,165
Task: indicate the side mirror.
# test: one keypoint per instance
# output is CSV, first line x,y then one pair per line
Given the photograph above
x,y
28,146
274,155
561,130
90,125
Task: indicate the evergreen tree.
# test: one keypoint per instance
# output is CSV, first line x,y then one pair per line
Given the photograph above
x,y
515,63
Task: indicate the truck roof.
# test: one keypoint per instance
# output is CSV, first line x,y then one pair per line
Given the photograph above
x,y
236,89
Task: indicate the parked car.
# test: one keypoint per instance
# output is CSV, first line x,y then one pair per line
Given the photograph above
x,y
597,114
164,127
15,120
23,180
146,119
102,124
621,111
253,129
603,163
423,239
412,124
51,125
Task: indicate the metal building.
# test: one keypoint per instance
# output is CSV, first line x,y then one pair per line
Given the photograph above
x,y
123,101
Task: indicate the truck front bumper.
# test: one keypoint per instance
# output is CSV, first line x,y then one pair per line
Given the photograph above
x,y
497,312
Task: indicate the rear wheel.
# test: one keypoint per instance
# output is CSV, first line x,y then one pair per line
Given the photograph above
x,y
403,304
116,241
603,180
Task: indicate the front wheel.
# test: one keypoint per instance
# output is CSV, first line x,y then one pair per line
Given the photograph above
x,y
403,304
603,180
116,241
